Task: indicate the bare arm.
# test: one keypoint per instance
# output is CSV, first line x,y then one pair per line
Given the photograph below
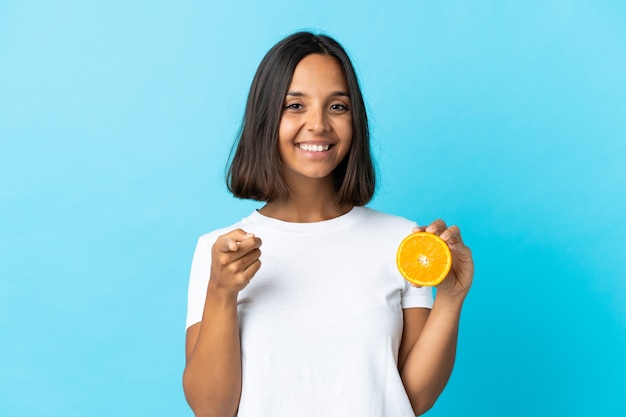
x,y
429,339
427,367
212,377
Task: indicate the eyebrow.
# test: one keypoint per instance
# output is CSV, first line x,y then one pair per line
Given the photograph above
x,y
333,94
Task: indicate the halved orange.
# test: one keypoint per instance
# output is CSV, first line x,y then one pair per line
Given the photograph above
x,y
424,259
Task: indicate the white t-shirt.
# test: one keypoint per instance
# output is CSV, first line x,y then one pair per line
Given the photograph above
x,y
321,322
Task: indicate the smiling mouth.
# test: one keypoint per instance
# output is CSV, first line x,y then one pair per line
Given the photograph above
x,y
313,148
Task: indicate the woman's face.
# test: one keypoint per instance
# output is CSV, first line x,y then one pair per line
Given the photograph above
x,y
315,132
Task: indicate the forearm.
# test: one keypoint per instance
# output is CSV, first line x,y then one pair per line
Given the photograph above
x,y
429,363
212,377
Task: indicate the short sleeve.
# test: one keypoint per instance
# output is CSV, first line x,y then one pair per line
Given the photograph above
x,y
198,280
413,297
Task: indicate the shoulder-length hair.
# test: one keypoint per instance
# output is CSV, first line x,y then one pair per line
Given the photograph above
x,y
254,170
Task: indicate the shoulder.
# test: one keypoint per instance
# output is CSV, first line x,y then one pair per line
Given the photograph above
x,y
387,229
210,237
382,219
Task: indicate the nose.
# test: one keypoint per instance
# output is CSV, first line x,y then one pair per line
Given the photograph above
x,y
317,120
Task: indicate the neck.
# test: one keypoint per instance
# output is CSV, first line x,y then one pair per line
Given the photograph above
x,y
309,203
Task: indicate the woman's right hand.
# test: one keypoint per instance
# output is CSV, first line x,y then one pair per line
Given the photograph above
x,y
212,377
235,260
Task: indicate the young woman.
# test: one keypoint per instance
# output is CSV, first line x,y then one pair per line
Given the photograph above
x,y
322,323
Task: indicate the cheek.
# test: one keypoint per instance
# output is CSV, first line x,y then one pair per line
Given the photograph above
x,y
347,136
348,147
285,139
286,130
347,128
346,133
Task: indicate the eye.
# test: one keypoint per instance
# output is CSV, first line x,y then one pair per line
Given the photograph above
x,y
340,108
293,106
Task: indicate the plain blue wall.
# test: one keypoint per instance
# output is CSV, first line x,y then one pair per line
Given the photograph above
x,y
116,118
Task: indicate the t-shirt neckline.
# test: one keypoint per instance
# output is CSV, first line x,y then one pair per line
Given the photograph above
x,y
338,223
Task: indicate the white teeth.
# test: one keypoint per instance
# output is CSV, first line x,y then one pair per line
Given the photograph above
x,y
313,148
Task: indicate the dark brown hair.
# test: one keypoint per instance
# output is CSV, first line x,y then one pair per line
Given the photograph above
x,y
254,170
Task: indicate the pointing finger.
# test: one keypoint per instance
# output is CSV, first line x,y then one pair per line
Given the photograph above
x,y
230,241
230,245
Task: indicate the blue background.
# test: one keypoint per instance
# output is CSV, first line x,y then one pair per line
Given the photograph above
x,y
116,119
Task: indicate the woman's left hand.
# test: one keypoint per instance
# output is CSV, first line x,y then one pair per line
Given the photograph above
x,y
459,279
